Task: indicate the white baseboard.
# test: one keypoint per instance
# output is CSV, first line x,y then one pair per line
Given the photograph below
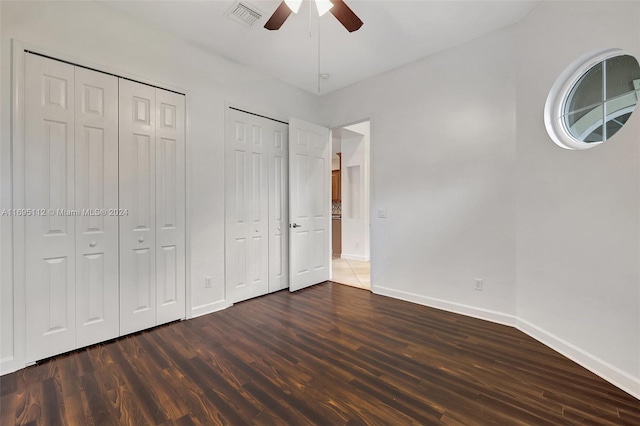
x,y
458,308
354,257
599,367
209,308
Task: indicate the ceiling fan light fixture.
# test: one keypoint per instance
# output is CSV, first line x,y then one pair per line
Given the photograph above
x,y
323,6
294,5
338,8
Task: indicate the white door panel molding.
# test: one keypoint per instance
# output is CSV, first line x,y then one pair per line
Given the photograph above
x,y
309,204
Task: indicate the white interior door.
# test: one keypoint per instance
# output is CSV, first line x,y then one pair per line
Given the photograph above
x,y
96,193
138,197
247,209
278,206
309,204
49,189
105,160
170,206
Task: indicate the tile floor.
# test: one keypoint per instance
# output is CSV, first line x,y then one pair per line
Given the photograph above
x,y
352,272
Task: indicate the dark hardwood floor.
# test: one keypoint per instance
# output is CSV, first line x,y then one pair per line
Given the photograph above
x,y
327,355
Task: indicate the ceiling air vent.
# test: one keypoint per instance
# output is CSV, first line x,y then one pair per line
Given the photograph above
x,y
244,13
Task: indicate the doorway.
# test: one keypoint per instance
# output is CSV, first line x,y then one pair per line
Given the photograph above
x,y
350,201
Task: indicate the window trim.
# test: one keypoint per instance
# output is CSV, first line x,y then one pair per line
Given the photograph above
x,y
554,106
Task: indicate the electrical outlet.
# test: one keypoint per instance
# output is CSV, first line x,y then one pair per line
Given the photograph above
x,y
479,284
208,282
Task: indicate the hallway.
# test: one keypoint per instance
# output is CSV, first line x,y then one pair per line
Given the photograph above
x,y
352,272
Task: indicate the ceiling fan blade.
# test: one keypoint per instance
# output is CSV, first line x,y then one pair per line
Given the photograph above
x,y
279,16
345,15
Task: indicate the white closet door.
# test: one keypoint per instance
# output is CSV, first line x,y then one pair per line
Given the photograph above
x,y
278,206
137,196
247,209
96,169
170,206
309,203
50,236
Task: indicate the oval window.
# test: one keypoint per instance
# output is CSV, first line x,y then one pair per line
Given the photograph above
x,y
593,99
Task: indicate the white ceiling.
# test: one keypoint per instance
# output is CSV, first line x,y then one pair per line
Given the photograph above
x,y
394,33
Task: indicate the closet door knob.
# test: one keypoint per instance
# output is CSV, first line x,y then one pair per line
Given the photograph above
x,y
141,240
92,244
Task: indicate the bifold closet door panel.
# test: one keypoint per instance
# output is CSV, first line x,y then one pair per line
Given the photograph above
x,y
170,206
49,189
96,169
278,206
247,208
138,197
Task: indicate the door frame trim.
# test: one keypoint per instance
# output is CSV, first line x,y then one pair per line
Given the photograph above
x,y
18,244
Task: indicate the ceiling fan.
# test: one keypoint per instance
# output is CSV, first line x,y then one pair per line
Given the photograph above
x,y
338,8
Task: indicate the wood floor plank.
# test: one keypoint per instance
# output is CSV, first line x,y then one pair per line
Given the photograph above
x,y
29,405
52,409
325,355
8,384
193,397
75,412
8,409
125,407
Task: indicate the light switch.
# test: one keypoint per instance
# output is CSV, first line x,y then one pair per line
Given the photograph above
x,y
382,213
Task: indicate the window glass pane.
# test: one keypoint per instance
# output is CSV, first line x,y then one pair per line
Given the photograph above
x,y
623,104
621,73
615,123
595,136
584,110
586,92
583,124
597,103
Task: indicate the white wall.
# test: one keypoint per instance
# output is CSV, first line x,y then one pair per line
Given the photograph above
x,y
97,34
474,187
578,211
449,197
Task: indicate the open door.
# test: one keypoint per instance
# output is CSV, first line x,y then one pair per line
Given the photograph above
x,y
309,204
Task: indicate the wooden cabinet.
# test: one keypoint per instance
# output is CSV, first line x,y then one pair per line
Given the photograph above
x,y
336,239
335,186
